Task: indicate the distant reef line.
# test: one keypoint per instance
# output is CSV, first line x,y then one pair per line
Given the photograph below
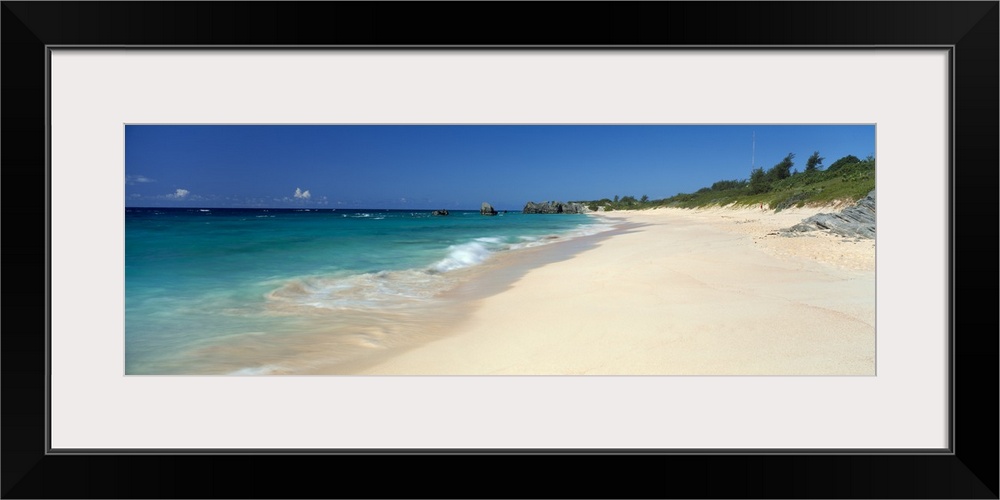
x,y
531,207
555,207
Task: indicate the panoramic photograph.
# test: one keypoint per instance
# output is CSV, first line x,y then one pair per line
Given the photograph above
x,y
564,250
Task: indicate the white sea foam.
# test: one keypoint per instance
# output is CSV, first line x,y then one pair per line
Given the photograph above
x,y
465,255
257,370
591,229
479,250
395,289
386,289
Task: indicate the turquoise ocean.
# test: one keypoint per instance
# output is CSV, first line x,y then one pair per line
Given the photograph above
x,y
286,291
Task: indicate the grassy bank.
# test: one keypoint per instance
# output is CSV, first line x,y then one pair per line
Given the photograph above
x,y
848,179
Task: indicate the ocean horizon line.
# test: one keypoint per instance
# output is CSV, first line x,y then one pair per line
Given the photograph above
x,y
321,209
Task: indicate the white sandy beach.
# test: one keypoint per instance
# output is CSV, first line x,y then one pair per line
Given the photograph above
x,y
675,292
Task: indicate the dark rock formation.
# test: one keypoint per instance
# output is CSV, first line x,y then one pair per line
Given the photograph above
x,y
554,207
854,221
486,209
439,212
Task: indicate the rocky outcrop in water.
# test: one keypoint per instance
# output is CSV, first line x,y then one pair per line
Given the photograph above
x,y
856,221
486,209
554,207
439,212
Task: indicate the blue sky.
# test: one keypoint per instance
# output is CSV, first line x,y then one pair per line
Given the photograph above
x,y
454,166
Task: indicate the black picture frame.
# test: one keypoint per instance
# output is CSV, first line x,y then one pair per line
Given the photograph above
x,y
970,470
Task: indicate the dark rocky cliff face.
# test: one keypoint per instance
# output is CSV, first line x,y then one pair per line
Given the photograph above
x,y
554,207
856,221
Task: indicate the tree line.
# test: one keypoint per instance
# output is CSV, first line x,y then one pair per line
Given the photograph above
x,y
778,178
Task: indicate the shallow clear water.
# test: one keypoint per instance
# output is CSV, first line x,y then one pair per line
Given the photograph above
x,y
248,291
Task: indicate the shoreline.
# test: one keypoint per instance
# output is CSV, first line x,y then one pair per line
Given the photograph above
x,y
286,322
455,305
670,292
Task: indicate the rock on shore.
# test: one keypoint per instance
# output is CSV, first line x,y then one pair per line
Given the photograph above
x,y
554,207
854,221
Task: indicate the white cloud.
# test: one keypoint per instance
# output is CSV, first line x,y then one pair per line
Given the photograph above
x,y
302,194
137,179
180,194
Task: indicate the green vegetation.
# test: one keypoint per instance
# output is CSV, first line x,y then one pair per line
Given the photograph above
x,y
848,178
847,160
814,162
